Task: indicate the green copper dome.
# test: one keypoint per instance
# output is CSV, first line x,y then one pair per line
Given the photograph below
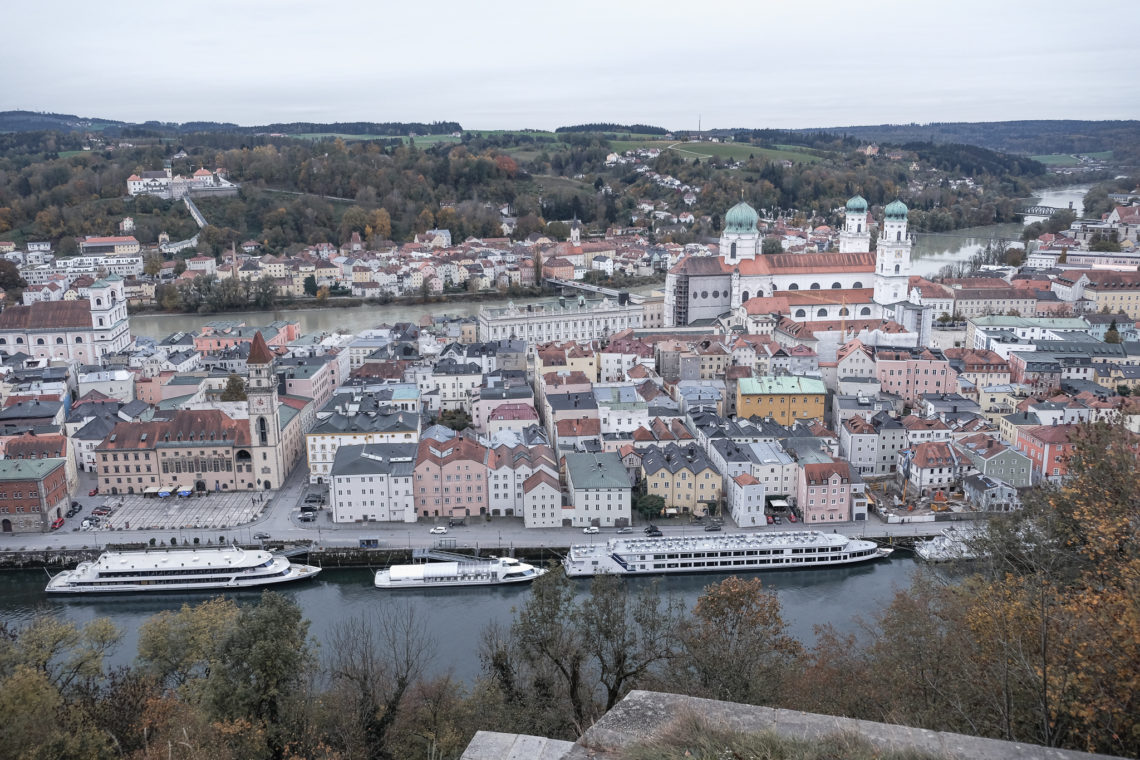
x,y
741,218
896,210
857,204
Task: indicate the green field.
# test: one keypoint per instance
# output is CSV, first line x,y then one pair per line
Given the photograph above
x,y
735,151
421,140
70,153
1065,159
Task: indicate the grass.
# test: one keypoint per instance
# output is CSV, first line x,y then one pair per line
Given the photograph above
x,y
422,140
693,738
70,153
1066,159
734,151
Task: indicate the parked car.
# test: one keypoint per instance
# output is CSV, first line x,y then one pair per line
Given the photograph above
x,y
85,525
771,519
261,536
626,529
314,498
777,520
654,532
438,530
308,509
590,529
93,491
713,526
650,528
57,523
791,517
456,522
307,517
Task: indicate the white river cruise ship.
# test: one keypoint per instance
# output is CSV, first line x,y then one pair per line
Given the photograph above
x,y
227,568
731,553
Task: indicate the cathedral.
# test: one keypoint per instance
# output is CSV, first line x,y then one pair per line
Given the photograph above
x,y
853,283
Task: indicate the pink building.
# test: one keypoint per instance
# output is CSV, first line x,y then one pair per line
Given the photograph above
x,y
511,417
450,478
911,372
824,493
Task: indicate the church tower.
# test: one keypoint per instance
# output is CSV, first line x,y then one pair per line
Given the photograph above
x,y
740,240
575,232
892,256
264,419
856,234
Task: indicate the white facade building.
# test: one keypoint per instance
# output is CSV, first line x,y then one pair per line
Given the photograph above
x,y
373,483
599,488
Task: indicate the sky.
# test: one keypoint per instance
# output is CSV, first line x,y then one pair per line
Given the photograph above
x,y
513,65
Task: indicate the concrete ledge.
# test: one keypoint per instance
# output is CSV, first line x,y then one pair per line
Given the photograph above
x,y
643,715
491,745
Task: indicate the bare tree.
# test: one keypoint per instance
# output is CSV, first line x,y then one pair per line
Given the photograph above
x,y
376,659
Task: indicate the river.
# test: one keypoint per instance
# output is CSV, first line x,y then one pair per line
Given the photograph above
x,y
839,596
931,253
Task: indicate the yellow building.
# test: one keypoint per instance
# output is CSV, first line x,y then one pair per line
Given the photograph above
x,y
1114,292
785,399
683,476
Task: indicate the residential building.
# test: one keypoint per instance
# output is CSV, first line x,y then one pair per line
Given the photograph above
x,y
746,500
373,482
683,476
599,488
451,478
824,493
33,494
784,399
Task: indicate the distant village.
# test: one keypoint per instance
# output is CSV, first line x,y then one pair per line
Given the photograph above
x,y
821,384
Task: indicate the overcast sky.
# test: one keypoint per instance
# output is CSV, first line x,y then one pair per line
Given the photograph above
x,y
495,64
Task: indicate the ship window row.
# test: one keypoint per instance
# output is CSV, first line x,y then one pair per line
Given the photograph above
x,y
750,563
183,571
752,553
157,581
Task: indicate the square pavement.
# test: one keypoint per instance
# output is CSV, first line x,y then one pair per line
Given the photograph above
x,y
211,510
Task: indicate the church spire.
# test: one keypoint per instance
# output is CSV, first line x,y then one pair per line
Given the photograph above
x,y
259,352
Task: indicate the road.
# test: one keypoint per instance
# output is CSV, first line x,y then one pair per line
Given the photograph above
x,y
280,521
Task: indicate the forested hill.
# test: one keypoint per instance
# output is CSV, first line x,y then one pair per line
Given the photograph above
x,y
31,121
638,129
1033,138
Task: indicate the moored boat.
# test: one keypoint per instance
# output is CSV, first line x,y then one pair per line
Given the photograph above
x,y
731,553
497,571
226,567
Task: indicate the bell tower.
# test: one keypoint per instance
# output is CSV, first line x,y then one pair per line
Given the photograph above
x,y
264,419
892,256
856,235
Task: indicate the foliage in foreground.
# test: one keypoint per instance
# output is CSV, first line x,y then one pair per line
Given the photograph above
x,y
1040,644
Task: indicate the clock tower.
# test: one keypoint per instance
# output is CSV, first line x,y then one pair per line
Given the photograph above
x,y
264,420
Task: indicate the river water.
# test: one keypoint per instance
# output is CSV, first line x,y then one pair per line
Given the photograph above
x,y
931,253
839,596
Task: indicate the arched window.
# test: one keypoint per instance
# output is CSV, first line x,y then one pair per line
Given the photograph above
x,y
20,341
98,301
100,321
793,286
898,236
59,341
821,313
859,228
801,313
844,312
39,341
896,268
815,286
836,285
78,339
3,341
865,311
856,284
262,431
732,251
744,296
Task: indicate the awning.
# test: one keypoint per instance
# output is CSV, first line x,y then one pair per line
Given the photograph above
x,y
184,490
670,511
164,493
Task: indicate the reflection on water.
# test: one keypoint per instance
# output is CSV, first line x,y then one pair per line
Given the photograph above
x,y
456,616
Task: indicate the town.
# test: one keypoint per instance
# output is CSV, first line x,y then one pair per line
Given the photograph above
x,y
777,376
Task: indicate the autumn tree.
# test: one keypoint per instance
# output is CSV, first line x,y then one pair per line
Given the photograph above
x,y
235,389
736,646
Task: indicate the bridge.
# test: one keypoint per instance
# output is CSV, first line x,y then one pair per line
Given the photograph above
x,y
574,285
1042,210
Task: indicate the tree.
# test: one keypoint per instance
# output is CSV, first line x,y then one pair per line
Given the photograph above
x,y
10,278
381,223
1112,334
177,647
373,663
235,389
557,230
67,246
311,285
153,264
649,505
736,646
258,664
322,294
771,245
263,294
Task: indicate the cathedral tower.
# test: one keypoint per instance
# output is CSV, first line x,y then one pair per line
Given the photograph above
x,y
740,240
856,234
892,256
264,419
